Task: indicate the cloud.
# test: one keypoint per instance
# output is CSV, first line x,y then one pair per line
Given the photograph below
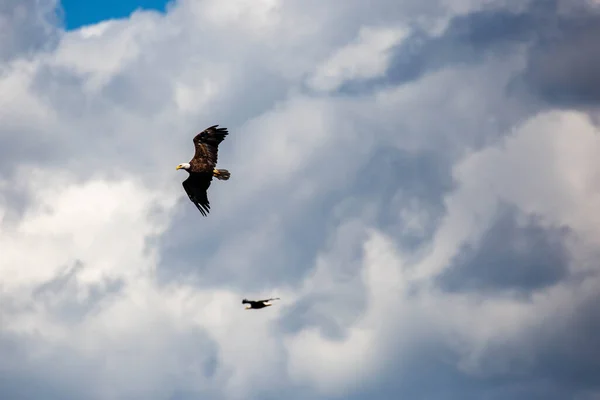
x,y
365,59
512,255
563,61
27,27
401,179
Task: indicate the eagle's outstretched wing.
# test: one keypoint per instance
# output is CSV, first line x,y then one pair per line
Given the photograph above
x,y
196,186
207,145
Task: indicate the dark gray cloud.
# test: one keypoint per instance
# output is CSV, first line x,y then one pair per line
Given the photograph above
x,y
22,377
564,60
568,349
194,254
32,368
555,359
63,294
559,38
523,256
382,185
468,39
432,375
15,198
28,27
393,179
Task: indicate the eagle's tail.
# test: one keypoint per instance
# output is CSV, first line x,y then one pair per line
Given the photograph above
x,y
222,174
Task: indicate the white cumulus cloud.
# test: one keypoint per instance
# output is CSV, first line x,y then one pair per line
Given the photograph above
x,y
350,207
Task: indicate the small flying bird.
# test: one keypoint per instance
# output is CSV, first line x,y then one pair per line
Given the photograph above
x,y
202,169
258,304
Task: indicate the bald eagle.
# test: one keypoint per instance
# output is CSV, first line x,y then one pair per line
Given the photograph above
x,y
201,168
258,304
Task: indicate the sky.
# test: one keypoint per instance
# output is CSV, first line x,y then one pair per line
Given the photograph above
x,y
417,181
77,13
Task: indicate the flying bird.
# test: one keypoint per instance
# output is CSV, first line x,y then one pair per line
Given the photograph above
x,y
202,169
258,304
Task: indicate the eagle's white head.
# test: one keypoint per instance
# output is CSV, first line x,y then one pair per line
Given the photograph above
x,y
184,165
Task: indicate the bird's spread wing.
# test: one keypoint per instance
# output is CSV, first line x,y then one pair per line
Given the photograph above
x,y
196,188
263,301
207,144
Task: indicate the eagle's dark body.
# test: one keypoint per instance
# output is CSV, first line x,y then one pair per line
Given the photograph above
x,y
258,304
202,167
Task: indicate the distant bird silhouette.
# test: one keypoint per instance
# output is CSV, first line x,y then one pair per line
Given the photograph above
x,y
258,304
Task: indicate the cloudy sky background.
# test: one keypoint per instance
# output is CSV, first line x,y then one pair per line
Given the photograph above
x,y
418,181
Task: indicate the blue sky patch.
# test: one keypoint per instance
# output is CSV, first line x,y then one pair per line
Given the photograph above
x,y
78,13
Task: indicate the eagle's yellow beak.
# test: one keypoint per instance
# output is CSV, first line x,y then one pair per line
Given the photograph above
x,y
178,167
